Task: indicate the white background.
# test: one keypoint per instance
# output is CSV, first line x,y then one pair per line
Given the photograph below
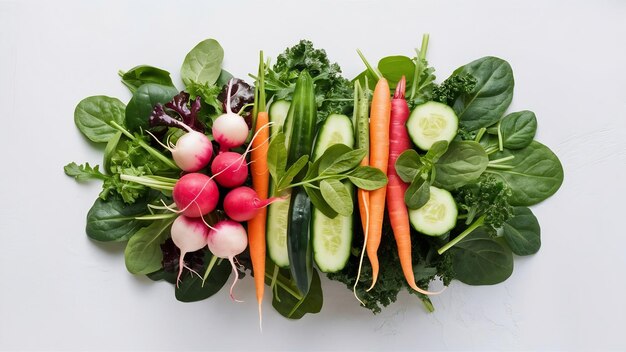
x,y
59,290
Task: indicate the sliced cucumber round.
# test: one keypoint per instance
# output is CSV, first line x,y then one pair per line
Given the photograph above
x,y
437,216
337,129
277,216
432,122
277,114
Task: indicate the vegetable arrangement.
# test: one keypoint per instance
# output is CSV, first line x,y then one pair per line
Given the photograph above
x,y
383,182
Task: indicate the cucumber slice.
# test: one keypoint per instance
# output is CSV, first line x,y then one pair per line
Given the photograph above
x,y
277,216
432,122
437,216
332,238
277,114
337,129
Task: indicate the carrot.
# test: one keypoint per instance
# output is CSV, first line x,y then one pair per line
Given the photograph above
x,y
398,213
260,183
379,156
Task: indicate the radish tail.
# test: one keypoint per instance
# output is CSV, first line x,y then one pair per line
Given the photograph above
x,y
232,263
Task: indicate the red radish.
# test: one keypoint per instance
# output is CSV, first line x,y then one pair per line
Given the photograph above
x,y
230,169
193,151
230,130
227,239
195,194
189,235
242,203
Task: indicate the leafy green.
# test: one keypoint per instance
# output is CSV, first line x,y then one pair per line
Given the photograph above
x,y
338,196
480,259
462,163
453,87
287,300
143,253
142,74
203,64
533,174
333,93
93,114
488,198
143,101
491,96
522,232
193,289
518,129
418,193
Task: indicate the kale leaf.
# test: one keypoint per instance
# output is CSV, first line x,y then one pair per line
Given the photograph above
x,y
456,85
487,201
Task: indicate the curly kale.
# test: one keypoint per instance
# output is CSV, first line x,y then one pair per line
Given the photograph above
x,y
486,202
453,87
333,93
427,266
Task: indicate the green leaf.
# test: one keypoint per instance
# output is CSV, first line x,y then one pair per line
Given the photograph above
x,y
191,290
139,75
203,64
534,175
394,67
223,79
142,103
491,96
518,129
462,163
408,165
277,157
343,163
293,171
479,259
331,155
83,172
522,232
337,196
143,253
93,114
417,194
367,178
318,201
287,301
436,151
110,150
114,220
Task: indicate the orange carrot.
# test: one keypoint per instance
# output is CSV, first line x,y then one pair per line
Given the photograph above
x,y
398,213
256,226
379,156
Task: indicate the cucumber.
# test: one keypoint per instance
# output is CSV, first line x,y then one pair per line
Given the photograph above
x,y
432,122
277,114
332,238
278,212
437,216
299,240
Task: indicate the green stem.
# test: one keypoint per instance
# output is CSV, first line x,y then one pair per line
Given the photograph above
x,y
156,216
501,160
500,167
208,269
148,181
308,183
372,70
285,287
478,223
428,304
480,134
500,143
145,146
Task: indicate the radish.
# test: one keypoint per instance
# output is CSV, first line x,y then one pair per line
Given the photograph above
x,y
242,203
193,151
189,235
230,169
229,130
195,195
227,239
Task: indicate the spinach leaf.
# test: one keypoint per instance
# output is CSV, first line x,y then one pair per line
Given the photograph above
x,y
191,289
534,174
522,232
277,157
139,75
394,67
491,96
287,300
367,178
418,193
331,155
462,163
408,165
114,220
435,152
223,79
143,253
293,171
93,114
318,201
518,129
479,259
345,162
203,64
142,103
337,196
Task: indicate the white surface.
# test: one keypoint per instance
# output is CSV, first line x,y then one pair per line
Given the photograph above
x,y
62,291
